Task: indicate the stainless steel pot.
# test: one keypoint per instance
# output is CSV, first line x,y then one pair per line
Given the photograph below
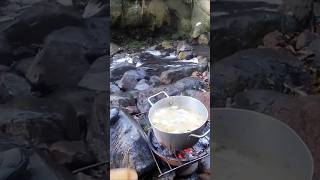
x,y
250,145
179,141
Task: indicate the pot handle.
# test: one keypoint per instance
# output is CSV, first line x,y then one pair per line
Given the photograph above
x,y
149,98
200,136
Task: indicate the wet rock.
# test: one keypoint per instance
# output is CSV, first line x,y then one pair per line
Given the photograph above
x,y
169,176
189,83
117,72
175,74
122,99
154,81
79,37
73,154
16,85
5,51
130,79
23,65
114,88
23,52
142,85
62,113
96,77
142,102
257,68
30,25
129,146
37,127
203,61
57,65
43,167
166,45
98,128
305,38
273,40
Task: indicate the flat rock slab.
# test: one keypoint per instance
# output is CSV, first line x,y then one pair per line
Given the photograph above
x,y
128,147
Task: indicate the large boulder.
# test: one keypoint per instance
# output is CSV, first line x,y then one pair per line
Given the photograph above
x,y
30,23
240,25
96,76
15,85
62,114
37,127
128,146
257,68
79,36
58,65
98,128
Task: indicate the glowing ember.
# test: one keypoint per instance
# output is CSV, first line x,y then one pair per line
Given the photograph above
x,y
184,153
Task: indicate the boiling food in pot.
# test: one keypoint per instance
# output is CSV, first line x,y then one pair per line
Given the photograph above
x,y
176,120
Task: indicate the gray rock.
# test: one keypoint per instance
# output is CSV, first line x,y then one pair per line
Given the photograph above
x,y
79,36
256,68
189,83
174,74
183,46
16,85
305,38
74,154
240,25
129,148
142,85
58,65
14,163
117,72
43,167
114,88
98,28
62,113
130,79
314,46
96,76
4,94
5,51
22,66
98,128
37,127
30,25
154,81
122,99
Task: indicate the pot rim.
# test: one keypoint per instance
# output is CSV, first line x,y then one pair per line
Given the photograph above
x,y
182,96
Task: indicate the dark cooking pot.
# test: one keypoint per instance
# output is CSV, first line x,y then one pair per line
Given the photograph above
x,y
178,141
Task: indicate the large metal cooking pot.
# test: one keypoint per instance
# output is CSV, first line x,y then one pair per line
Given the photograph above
x,y
178,141
250,145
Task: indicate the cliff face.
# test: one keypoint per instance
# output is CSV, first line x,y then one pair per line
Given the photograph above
x,y
181,15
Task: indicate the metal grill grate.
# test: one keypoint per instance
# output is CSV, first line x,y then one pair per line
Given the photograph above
x,y
171,169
